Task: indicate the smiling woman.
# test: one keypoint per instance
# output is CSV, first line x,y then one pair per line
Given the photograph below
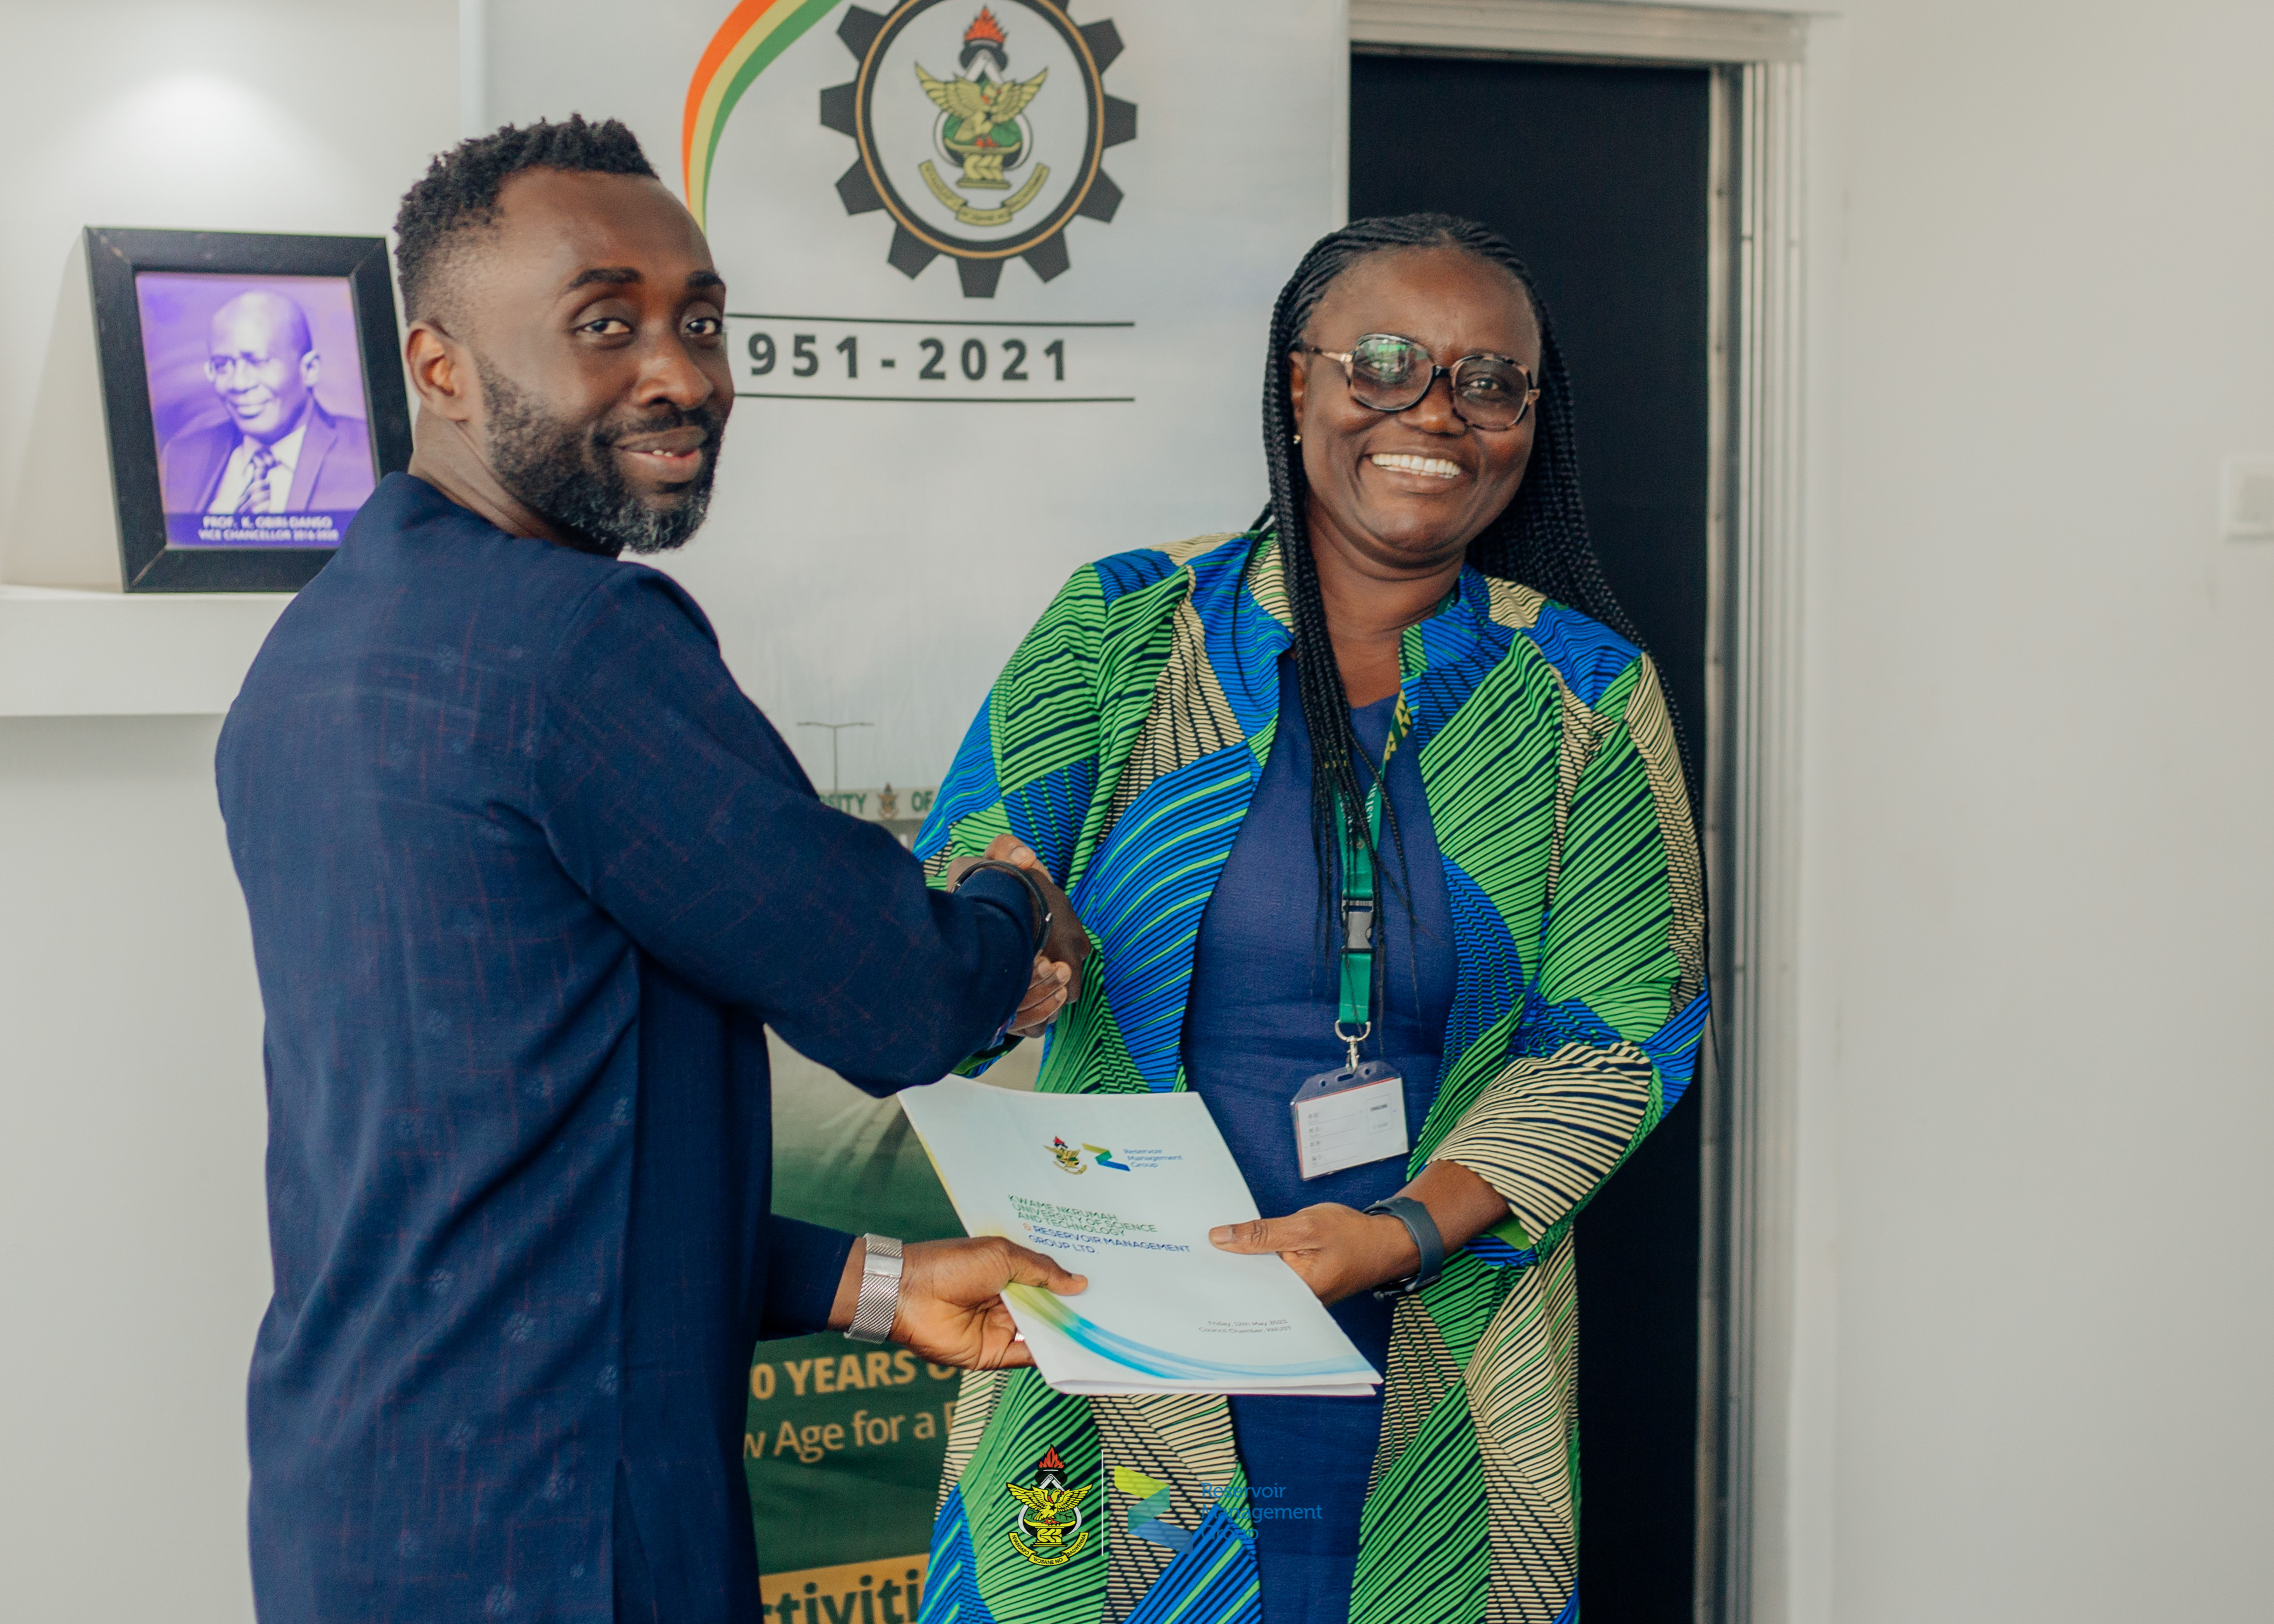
x,y
1411,671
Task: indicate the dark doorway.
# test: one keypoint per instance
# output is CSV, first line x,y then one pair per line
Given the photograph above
x,y
1599,176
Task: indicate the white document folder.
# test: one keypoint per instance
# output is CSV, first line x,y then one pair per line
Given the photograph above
x,y
1123,1188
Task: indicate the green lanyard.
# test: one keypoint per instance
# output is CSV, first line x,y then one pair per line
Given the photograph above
x,y
1359,910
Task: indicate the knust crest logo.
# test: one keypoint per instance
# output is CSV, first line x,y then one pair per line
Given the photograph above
x,y
1048,1531
990,158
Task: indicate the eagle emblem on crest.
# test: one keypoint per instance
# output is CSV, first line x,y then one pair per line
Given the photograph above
x,y
1050,1514
980,123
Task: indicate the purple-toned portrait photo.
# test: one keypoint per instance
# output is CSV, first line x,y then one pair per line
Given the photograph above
x,y
252,397
257,398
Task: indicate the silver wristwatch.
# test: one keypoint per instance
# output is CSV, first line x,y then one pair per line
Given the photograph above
x,y
880,1291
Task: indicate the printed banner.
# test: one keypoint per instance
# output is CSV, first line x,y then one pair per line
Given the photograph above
x,y
843,1443
999,273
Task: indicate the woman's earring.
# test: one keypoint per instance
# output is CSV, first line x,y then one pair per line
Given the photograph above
x,y
1299,440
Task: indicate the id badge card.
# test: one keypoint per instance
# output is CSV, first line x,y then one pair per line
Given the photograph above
x,y
1349,1117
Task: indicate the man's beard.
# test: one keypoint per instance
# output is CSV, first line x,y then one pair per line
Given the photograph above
x,y
568,476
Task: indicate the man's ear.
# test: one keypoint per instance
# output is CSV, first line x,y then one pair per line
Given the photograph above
x,y
441,371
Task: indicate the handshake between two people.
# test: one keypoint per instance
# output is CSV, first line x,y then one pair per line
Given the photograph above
x,y
1057,969
951,1306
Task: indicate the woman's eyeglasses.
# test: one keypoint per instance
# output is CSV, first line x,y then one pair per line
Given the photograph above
x,y
1389,373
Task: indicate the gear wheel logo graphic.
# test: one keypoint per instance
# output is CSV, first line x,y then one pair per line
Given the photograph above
x,y
982,135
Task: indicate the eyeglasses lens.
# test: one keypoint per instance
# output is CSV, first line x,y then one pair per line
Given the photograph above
x,y
1387,374
1490,393
1391,374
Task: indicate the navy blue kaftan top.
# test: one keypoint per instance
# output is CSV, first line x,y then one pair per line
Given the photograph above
x,y
1261,1020
529,877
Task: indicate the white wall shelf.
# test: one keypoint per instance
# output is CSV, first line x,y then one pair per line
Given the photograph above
x,y
66,652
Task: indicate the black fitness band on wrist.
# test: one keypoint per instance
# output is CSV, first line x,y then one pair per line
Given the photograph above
x,y
1034,893
1426,1240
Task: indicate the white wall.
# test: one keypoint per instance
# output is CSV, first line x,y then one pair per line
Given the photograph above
x,y
2029,1382
2041,761
134,1262
132,1258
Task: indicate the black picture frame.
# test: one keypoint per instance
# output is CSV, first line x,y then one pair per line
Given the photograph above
x,y
149,560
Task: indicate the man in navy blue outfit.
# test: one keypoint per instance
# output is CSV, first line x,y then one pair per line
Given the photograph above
x,y
528,878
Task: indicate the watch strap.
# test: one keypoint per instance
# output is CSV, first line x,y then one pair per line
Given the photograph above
x,y
1426,1240
1038,900
879,1301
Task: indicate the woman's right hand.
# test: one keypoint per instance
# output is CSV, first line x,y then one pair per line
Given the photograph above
x,y
1056,980
1052,990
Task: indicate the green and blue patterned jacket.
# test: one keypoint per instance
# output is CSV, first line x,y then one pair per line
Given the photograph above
x,y
1123,743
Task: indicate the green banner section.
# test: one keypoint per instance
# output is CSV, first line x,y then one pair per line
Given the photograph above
x,y
843,1448
844,1442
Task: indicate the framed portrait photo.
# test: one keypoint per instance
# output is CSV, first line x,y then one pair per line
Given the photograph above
x,y
252,394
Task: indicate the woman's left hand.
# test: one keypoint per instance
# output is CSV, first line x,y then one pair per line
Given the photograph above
x,y
1338,1251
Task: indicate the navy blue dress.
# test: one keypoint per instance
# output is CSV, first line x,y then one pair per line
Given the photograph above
x,y
528,878
1261,1020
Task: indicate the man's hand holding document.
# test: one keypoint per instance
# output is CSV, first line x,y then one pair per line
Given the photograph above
x,y
1123,1189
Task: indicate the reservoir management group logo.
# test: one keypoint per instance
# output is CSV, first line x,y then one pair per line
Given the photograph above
x,y
1069,1159
982,132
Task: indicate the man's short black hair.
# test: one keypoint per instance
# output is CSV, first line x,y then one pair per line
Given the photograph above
x,y
459,192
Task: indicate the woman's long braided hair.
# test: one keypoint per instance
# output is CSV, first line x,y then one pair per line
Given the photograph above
x,y
1540,538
